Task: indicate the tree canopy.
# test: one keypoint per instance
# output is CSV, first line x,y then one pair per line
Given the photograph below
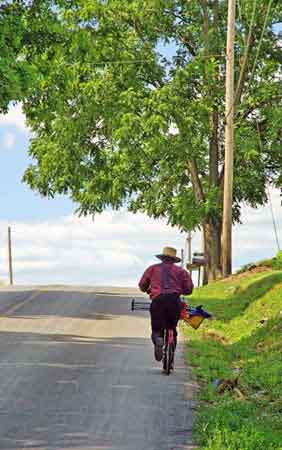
x,y
128,108
27,28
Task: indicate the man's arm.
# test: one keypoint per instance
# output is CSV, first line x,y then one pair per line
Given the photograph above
x,y
145,281
187,283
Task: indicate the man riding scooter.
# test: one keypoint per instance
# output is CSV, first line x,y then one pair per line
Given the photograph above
x,y
165,282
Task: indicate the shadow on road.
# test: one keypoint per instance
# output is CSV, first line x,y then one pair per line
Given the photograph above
x,y
76,304
29,338
70,392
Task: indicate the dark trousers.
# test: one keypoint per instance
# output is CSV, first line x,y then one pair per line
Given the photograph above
x,y
165,313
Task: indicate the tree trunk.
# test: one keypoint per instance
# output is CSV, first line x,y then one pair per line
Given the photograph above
x,y
212,237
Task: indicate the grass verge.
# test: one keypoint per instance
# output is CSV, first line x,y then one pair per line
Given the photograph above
x,y
243,342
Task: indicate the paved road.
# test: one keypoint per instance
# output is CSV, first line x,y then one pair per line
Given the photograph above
x,y
77,372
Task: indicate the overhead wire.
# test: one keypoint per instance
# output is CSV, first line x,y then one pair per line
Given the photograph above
x,y
268,193
273,218
250,79
245,56
246,52
260,41
142,61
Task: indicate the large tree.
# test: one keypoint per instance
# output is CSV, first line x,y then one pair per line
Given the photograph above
x,y
129,109
27,29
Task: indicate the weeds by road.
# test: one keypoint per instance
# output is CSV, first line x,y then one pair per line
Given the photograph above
x,y
243,347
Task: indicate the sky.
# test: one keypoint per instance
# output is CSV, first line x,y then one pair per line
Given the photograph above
x,y
51,245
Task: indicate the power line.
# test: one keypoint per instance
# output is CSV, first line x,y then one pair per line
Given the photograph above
x,y
260,41
144,61
134,61
257,125
268,193
273,218
246,53
245,56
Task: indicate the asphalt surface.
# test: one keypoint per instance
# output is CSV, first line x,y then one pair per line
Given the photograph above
x,y
77,372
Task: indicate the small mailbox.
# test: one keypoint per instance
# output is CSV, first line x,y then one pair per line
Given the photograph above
x,y
199,259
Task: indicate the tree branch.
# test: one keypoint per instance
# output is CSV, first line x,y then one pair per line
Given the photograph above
x,y
186,42
214,118
248,42
196,182
203,4
259,105
213,150
177,16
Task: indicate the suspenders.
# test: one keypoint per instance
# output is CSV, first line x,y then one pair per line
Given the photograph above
x,y
165,277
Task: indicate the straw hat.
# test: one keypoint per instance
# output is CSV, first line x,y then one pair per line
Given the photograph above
x,y
169,252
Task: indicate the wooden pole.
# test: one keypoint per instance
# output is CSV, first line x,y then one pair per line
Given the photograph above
x,y
205,277
189,249
229,143
10,256
182,257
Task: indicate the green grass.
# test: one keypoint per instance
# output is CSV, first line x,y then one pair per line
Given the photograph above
x,y
236,343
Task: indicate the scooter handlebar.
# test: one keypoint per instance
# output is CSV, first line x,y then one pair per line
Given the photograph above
x,y
136,306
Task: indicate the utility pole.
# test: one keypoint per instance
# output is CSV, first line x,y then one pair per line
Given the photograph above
x,y
182,257
189,249
204,277
229,143
10,256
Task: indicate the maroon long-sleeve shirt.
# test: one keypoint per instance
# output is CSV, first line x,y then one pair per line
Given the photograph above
x,y
166,278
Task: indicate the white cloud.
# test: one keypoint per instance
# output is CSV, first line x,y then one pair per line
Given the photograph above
x,y
113,249
255,239
8,141
14,118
